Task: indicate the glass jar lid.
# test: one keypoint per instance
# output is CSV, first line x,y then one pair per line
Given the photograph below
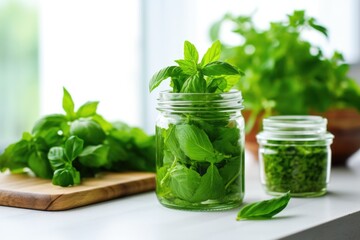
x,y
295,128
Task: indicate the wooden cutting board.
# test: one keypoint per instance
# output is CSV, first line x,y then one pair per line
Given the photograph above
x,y
20,190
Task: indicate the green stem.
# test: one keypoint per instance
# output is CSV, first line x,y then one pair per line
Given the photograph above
x,y
167,175
232,180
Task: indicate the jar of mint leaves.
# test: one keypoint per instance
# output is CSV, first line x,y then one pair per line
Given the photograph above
x,y
295,155
200,150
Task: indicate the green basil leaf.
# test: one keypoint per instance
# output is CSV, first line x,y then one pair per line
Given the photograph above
x,y
73,147
172,143
68,104
264,209
231,170
94,156
189,76
231,81
15,156
195,143
177,82
163,74
189,67
194,84
117,150
140,137
49,121
88,130
21,151
219,68
227,141
65,177
56,157
190,52
26,136
39,164
212,54
52,129
87,110
184,182
104,124
217,85
211,186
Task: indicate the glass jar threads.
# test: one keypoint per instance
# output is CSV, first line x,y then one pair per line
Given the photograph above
x,y
200,150
295,155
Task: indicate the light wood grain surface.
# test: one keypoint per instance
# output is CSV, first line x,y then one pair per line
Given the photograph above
x,y
20,190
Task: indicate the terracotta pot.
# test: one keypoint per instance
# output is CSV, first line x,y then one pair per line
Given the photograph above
x,y
343,123
250,138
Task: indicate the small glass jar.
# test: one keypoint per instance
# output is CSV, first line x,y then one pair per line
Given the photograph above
x,y
200,150
295,155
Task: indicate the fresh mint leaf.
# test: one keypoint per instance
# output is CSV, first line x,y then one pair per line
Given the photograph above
x,y
188,67
184,182
195,143
264,209
212,54
219,68
68,104
211,186
163,74
87,110
73,147
190,52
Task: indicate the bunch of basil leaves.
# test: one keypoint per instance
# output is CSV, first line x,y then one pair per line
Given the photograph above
x,y
66,147
200,160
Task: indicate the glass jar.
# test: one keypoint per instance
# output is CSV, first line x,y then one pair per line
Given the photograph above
x,y
200,150
295,155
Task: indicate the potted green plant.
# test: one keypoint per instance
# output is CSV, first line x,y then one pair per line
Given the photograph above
x,y
287,75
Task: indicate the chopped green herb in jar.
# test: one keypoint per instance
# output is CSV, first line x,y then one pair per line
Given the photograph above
x,y
299,168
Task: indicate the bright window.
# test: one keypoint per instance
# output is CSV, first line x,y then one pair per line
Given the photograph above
x,y
107,50
92,48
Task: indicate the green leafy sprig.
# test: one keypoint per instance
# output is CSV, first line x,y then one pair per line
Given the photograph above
x,y
191,76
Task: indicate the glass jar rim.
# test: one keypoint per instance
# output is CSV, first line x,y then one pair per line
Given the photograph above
x,y
295,128
194,102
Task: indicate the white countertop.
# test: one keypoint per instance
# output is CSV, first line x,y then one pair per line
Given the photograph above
x,y
333,216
